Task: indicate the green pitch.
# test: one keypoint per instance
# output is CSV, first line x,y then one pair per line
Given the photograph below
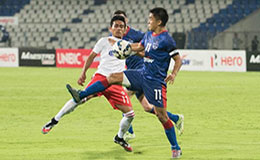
x,y
222,118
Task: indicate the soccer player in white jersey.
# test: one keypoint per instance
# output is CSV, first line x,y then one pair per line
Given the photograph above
x,y
115,94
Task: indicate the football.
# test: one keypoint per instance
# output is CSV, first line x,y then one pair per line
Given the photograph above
x,y
121,49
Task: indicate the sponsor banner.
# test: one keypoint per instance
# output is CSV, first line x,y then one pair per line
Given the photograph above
x,y
8,57
37,57
253,61
213,60
74,58
6,20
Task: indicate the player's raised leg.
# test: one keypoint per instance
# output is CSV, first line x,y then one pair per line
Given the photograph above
x,y
99,86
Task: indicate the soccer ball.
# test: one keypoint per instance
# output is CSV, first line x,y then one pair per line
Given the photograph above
x,y
121,49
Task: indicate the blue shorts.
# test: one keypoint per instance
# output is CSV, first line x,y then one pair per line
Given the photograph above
x,y
138,94
153,90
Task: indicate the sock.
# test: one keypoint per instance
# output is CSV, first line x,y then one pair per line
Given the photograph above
x,y
96,87
152,111
125,123
173,117
53,121
130,130
67,108
170,133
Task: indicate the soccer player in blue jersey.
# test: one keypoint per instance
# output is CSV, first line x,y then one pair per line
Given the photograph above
x,y
133,36
159,48
137,62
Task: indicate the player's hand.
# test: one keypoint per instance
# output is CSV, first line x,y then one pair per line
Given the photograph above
x,y
170,78
82,79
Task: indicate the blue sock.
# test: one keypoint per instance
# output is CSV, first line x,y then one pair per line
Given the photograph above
x,y
152,111
94,88
172,138
130,130
173,117
170,133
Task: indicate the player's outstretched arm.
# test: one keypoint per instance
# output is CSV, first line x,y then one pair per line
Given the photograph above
x,y
170,78
141,54
139,48
86,66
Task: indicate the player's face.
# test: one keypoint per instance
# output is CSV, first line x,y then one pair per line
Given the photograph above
x,y
118,29
153,23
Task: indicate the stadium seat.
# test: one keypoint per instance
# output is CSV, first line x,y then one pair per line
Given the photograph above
x,y
91,18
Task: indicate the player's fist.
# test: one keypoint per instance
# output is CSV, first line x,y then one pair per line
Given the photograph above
x,y
82,79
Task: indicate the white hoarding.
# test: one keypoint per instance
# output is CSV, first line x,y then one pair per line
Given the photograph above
x,y
213,60
6,20
9,57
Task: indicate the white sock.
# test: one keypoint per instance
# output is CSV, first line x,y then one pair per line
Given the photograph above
x,y
67,108
125,123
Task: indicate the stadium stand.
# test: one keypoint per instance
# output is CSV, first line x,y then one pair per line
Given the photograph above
x,y
220,21
79,23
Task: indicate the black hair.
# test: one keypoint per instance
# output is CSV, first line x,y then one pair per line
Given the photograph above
x,y
120,12
160,14
115,18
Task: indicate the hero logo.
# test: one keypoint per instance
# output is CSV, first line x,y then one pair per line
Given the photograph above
x,y
226,61
7,57
69,58
254,59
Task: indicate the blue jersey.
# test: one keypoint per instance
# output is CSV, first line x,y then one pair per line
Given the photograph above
x,y
133,36
158,53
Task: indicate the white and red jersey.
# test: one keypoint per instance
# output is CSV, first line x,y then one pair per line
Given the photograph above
x,y
108,63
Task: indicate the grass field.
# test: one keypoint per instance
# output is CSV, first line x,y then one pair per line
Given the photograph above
x,y
221,109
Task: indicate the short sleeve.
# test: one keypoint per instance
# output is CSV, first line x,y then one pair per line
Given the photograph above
x,y
171,49
98,46
143,39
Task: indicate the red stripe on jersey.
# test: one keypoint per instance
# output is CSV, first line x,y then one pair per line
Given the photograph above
x,y
156,34
168,124
164,96
127,30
